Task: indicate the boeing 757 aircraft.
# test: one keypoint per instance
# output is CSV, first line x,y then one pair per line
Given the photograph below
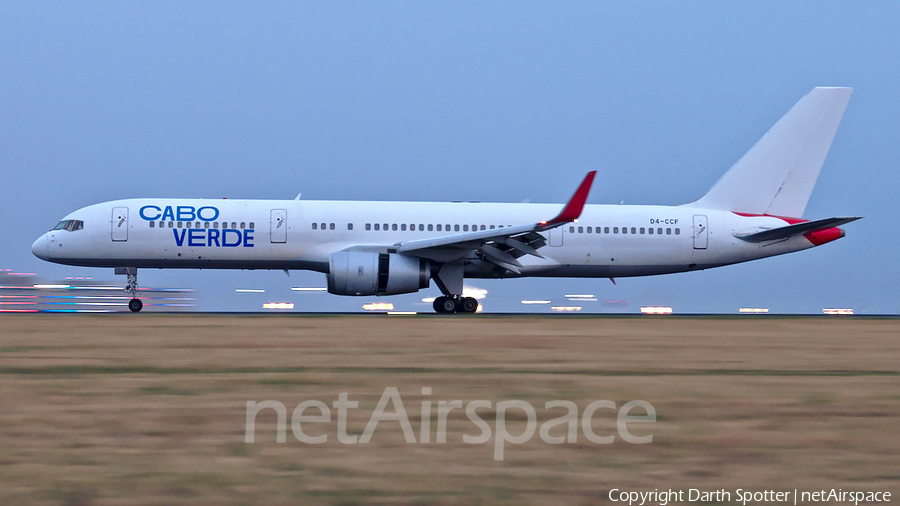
x,y
387,248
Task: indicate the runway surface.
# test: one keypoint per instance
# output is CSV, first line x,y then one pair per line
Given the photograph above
x,y
152,409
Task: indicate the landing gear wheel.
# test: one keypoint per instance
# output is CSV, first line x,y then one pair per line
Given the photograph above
x,y
468,305
445,305
135,304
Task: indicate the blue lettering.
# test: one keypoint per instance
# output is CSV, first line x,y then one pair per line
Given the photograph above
x,y
179,240
183,213
248,238
214,217
150,218
225,242
186,213
195,235
212,236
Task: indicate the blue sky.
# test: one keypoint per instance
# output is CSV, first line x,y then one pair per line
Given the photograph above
x,y
490,101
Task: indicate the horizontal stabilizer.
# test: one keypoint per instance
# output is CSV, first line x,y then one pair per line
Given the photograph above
x,y
796,229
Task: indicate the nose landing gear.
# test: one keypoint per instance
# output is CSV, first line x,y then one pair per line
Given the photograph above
x,y
134,305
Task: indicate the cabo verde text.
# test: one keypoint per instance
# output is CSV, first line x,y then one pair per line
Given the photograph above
x,y
199,237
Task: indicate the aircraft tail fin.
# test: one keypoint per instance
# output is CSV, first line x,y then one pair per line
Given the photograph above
x,y
776,177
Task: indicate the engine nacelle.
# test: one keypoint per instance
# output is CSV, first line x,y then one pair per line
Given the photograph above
x,y
372,273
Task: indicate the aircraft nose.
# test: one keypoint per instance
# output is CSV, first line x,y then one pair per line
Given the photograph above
x,y
41,248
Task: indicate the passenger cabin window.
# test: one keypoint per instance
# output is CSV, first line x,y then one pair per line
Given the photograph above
x,y
377,226
171,224
243,225
315,226
677,231
330,226
215,224
152,224
456,228
180,224
438,227
206,225
385,227
403,227
431,227
668,231
349,226
394,227
233,224
615,230
571,230
252,225
605,230
187,225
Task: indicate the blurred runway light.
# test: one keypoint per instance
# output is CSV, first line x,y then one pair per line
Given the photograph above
x,y
754,310
249,290
402,313
579,296
566,308
308,289
428,300
474,292
535,302
51,287
838,311
378,306
278,305
656,310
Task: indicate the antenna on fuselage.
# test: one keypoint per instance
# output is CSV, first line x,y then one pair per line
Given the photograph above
x,y
298,196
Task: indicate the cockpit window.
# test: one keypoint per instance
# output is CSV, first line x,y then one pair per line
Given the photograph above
x,y
69,225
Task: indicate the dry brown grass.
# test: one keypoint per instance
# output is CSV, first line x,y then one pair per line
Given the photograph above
x,y
150,409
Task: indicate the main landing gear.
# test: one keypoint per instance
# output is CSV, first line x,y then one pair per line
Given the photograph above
x,y
455,304
135,304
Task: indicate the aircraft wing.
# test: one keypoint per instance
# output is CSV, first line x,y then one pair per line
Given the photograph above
x,y
796,229
500,246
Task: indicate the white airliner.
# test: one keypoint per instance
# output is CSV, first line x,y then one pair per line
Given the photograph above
x,y
387,248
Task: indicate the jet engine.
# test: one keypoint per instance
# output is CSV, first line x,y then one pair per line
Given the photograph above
x,y
372,273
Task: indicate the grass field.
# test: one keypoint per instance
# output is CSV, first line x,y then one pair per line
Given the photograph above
x,y
151,409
